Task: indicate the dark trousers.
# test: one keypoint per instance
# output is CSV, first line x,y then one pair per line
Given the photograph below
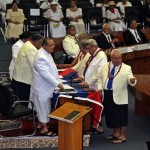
x,y
22,90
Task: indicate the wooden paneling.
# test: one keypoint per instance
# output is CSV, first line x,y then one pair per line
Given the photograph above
x,y
138,60
142,95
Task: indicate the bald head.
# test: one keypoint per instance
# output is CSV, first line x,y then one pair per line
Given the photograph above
x,y
116,57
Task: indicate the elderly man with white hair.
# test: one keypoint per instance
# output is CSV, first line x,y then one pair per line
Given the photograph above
x,y
92,70
106,40
113,80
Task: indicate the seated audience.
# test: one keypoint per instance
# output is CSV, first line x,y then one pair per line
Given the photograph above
x,y
103,5
22,75
71,44
106,40
55,17
133,35
114,18
15,18
47,5
122,5
44,81
74,15
146,14
25,36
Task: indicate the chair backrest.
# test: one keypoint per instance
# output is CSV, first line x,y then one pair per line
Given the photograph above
x,y
84,4
6,100
132,12
22,2
95,13
27,7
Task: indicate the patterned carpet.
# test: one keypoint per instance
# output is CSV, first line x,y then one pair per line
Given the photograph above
x,y
34,142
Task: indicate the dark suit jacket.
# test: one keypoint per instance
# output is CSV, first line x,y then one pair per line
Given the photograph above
x,y
129,38
103,42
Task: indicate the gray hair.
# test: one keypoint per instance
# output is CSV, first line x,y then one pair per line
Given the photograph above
x,y
115,51
91,42
83,36
106,25
83,43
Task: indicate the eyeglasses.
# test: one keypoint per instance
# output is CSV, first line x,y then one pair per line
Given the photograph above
x,y
51,45
88,49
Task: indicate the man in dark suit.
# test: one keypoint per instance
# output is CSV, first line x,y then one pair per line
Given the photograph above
x,y
106,40
132,35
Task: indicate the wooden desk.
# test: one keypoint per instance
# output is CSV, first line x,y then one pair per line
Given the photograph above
x,y
142,95
138,60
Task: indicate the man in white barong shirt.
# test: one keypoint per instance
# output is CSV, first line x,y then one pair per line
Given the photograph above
x,y
45,80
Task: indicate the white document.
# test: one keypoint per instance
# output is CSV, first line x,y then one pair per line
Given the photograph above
x,y
34,12
68,89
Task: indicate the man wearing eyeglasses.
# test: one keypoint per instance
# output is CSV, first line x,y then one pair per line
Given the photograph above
x,y
90,75
44,81
94,64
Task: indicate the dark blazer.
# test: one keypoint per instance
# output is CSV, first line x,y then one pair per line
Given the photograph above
x,y
103,42
129,38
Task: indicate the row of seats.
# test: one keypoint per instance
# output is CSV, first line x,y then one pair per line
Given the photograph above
x,y
92,17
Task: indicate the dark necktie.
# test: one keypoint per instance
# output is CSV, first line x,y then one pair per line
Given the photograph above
x,y
87,65
136,35
111,76
108,39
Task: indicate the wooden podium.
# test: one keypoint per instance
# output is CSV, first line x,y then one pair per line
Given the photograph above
x,y
70,131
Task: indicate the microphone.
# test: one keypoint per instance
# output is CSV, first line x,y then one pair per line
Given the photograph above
x,y
71,76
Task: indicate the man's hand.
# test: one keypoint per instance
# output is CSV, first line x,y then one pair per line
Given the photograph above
x,y
78,79
132,80
84,83
61,87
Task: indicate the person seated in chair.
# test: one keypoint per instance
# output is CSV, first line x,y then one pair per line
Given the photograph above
x,y
103,5
47,5
70,44
15,18
114,18
55,17
74,15
132,35
122,5
106,40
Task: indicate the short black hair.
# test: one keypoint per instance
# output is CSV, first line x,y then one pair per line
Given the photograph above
x,y
36,37
45,41
70,26
25,35
130,19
